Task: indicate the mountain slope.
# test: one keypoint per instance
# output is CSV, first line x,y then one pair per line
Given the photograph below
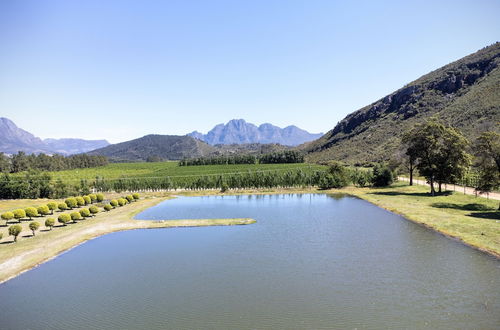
x,y
238,131
168,147
464,94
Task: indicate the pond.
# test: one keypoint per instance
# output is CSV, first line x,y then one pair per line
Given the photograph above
x,y
310,261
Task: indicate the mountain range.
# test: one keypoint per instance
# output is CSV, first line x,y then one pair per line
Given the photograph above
x,y
464,94
238,131
14,139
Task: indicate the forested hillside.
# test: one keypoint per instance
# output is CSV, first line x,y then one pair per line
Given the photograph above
x,y
464,94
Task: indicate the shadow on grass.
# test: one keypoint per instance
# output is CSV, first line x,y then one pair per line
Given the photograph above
x,y
495,215
44,230
420,194
464,207
8,242
29,236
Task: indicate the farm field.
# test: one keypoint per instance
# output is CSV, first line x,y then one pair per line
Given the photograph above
x,y
173,170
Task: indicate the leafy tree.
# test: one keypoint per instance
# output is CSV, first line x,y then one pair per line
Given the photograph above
x,y
75,216
94,210
80,201
71,202
487,149
15,230
340,175
64,218
62,206
382,176
31,212
19,214
7,216
439,150
43,210
93,197
85,213
100,197
87,200
114,203
52,206
136,196
49,223
34,227
108,207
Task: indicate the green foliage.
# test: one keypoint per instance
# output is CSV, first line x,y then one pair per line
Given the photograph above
x,y
136,196
43,210
129,198
62,206
19,214
80,201
52,206
87,200
7,216
71,202
49,223
85,213
94,209
114,203
31,212
220,160
108,207
64,218
283,157
15,230
122,201
361,178
93,197
99,197
34,227
75,216
382,176
487,151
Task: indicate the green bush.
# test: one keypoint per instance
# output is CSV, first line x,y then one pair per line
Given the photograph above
x,y
108,207
382,176
62,206
136,196
34,227
94,209
15,230
93,197
87,200
100,197
19,214
71,202
43,210
64,218
80,201
122,201
7,216
85,213
114,203
49,223
31,212
52,206
129,198
75,216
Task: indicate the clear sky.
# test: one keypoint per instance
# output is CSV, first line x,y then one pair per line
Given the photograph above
x,y
122,69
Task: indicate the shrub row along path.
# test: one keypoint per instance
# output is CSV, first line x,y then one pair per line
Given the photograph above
x,y
27,253
454,187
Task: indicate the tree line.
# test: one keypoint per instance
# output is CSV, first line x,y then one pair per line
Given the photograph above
x,y
21,162
281,157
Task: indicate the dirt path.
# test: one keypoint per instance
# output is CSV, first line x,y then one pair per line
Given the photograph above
x,y
454,187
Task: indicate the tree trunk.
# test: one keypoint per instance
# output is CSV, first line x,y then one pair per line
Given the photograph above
x,y
433,192
411,172
440,187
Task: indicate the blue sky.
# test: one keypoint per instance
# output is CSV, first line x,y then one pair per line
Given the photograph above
x,y
122,69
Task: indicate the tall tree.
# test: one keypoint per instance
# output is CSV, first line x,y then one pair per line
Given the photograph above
x,y
487,150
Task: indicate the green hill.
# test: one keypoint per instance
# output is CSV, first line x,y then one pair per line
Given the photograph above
x,y
464,94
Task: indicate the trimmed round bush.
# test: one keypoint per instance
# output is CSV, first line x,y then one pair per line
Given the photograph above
x,y
31,212
99,197
93,197
7,216
75,216
62,206
43,210
129,198
34,226
108,207
94,209
15,230
19,214
71,202
114,203
87,200
64,218
80,201
85,213
136,196
52,206
49,223
122,201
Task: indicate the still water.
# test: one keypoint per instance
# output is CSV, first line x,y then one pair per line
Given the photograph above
x,y
310,262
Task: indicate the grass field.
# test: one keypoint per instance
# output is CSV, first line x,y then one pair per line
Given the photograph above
x,y
172,170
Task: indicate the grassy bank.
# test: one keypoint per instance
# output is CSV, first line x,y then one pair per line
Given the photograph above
x,y
29,252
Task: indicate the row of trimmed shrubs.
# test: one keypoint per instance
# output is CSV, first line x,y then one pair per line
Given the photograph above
x,y
64,218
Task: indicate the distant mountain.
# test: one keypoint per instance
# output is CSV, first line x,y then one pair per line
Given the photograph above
x,y
166,147
238,131
464,94
14,139
74,146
